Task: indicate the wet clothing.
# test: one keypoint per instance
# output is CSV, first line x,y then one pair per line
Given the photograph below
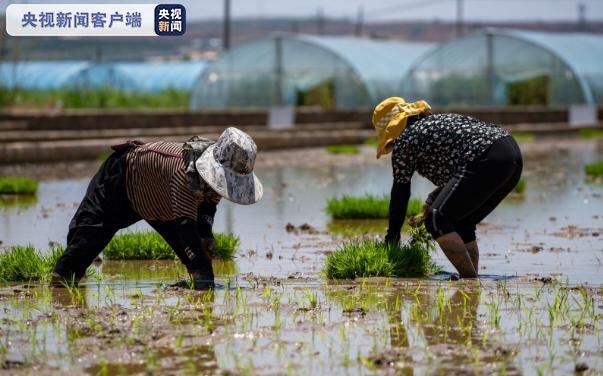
x,y
157,184
475,165
107,208
437,146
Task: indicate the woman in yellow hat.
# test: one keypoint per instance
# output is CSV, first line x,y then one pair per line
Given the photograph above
x,y
474,164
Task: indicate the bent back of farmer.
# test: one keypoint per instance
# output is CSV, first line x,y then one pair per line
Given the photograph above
x,y
474,164
175,187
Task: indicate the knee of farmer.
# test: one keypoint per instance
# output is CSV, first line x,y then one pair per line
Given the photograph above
x,y
467,233
437,224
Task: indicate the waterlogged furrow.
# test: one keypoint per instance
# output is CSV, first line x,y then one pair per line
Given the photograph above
x,y
382,326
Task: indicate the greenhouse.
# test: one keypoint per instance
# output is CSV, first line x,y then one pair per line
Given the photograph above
x,y
303,70
509,67
130,76
40,75
151,77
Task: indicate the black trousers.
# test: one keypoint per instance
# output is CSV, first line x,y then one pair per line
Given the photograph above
x,y
475,191
104,210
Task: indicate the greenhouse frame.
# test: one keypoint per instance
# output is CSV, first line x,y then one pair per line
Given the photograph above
x,y
499,67
304,70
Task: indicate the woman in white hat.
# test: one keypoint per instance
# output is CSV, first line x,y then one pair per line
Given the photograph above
x,y
175,187
474,164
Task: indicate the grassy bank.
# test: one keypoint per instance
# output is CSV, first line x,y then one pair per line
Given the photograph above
x,y
370,258
93,98
17,186
26,264
343,149
149,245
366,207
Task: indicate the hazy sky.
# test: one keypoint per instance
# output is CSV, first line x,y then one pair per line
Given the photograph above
x,y
382,10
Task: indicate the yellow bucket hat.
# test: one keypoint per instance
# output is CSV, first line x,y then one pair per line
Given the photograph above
x,y
390,118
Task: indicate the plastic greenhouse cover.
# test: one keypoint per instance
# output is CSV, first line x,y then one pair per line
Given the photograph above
x,y
40,74
373,60
164,75
143,76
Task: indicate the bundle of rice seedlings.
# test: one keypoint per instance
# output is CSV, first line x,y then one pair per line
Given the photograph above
x,y
371,258
149,245
367,207
17,186
26,264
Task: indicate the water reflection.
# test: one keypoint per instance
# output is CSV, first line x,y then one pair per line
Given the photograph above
x,y
556,196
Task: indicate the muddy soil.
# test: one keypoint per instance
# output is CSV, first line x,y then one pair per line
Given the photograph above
x,y
537,309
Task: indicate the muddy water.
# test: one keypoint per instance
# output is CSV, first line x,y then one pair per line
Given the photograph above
x,y
375,326
552,230
276,315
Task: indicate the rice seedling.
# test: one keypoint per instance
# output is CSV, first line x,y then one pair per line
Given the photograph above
x,y
523,136
149,245
18,186
343,149
520,187
594,169
26,264
371,258
590,133
367,207
95,98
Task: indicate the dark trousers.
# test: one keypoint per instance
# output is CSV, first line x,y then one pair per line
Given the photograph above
x,y
104,210
475,191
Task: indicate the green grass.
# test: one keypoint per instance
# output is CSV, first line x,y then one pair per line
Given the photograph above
x,y
520,188
343,149
93,98
523,136
149,245
594,169
18,186
590,133
367,207
26,264
371,142
370,258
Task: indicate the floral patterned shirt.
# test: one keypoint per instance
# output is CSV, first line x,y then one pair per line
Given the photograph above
x,y
438,145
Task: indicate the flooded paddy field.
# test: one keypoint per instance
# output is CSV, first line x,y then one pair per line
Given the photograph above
x,y
538,310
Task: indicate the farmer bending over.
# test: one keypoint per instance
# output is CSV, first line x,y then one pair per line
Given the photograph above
x,y
474,164
175,187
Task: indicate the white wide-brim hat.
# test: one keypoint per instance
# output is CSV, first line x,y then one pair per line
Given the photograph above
x,y
227,166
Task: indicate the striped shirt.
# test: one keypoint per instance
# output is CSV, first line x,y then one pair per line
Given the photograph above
x,y
157,185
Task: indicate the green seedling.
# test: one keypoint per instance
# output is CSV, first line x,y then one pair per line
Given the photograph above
x,y
26,264
94,98
594,169
370,258
18,186
367,207
523,136
149,245
343,149
590,133
520,188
